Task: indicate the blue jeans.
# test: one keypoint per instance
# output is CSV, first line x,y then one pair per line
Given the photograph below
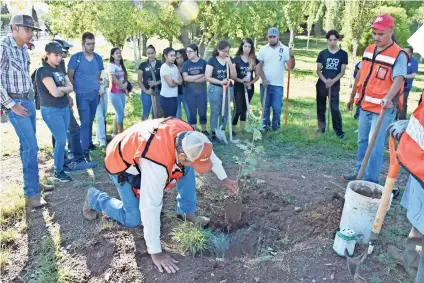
x,y
126,211
146,101
118,102
215,102
197,104
274,99
87,107
28,149
367,123
101,114
181,99
169,105
74,138
57,120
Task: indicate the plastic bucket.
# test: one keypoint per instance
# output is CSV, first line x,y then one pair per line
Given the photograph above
x,y
361,204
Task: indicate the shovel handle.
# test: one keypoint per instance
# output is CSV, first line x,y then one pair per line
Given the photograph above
x,y
286,116
388,188
246,97
371,145
329,109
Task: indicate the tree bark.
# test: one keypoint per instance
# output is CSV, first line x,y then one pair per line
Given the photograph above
x,y
184,36
144,40
170,39
352,70
291,43
309,36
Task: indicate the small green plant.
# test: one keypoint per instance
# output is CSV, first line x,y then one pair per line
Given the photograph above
x,y
12,206
8,237
4,256
220,243
190,238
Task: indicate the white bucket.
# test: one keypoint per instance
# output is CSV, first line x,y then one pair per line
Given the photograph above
x,y
359,211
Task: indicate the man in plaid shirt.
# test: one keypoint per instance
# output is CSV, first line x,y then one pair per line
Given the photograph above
x,y
17,97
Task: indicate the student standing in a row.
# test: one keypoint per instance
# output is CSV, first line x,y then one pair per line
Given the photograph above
x,y
171,79
180,58
216,75
246,65
84,71
149,81
195,87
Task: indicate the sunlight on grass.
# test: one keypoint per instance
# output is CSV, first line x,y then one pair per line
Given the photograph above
x,y
8,237
4,257
12,205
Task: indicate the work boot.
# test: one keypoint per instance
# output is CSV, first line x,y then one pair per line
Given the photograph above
x,y
87,212
348,177
46,188
36,201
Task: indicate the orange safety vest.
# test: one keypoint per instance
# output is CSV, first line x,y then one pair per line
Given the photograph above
x,y
410,150
375,77
126,149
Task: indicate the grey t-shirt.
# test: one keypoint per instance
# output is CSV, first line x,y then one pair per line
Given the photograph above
x,y
192,69
46,99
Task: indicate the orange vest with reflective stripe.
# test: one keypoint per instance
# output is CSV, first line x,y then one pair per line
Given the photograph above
x,y
126,149
410,150
375,77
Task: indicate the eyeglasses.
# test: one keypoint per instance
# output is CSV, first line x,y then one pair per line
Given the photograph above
x,y
272,36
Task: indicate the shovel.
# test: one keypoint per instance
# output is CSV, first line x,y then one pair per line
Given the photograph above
x,y
220,134
246,97
286,116
230,123
263,108
354,263
329,109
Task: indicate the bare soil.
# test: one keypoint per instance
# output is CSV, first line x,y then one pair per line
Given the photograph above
x,y
272,242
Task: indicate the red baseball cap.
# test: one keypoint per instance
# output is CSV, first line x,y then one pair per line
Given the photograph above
x,y
383,22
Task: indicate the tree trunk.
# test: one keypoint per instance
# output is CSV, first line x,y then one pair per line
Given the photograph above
x,y
309,36
256,42
144,44
291,43
355,49
134,42
170,41
184,37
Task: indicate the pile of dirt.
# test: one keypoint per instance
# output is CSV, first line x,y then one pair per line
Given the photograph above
x,y
365,191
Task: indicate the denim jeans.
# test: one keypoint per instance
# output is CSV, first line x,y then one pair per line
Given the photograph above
x,y
197,104
367,123
74,138
146,101
215,101
126,210
101,114
169,105
87,106
181,99
28,149
57,120
118,102
274,99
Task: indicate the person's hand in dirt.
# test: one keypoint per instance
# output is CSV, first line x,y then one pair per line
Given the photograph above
x,y
231,186
165,261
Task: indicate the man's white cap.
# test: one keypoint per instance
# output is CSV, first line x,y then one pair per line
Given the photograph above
x,y
198,150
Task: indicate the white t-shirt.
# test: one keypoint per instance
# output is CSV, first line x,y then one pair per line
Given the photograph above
x,y
120,75
172,71
274,60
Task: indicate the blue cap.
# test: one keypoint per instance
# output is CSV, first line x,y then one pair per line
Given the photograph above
x,y
273,31
54,47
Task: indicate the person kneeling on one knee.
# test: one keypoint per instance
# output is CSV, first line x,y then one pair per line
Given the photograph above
x,y
143,161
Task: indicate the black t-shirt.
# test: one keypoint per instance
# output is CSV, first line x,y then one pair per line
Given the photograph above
x,y
192,69
62,66
242,68
332,63
219,71
46,99
147,73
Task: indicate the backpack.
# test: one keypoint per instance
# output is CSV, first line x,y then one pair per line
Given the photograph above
x,y
34,83
79,57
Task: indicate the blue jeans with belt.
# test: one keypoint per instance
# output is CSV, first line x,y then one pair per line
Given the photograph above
x,y
57,120
87,106
126,210
274,100
25,129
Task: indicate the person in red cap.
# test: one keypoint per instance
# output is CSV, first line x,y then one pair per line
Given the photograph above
x,y
143,161
377,86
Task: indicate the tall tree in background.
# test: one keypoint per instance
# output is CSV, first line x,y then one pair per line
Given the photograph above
x,y
293,14
312,14
5,16
333,15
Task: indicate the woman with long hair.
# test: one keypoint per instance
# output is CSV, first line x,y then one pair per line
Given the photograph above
x,y
246,65
195,87
150,83
216,75
54,87
180,58
171,79
118,88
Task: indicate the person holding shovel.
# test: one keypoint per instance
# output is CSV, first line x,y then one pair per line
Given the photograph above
x,y
331,66
410,153
272,58
145,160
379,82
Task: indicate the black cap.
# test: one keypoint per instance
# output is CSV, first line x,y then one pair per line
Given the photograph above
x,y
54,47
25,21
66,45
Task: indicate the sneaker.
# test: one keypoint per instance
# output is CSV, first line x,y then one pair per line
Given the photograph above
x,y
46,188
86,156
214,138
67,169
62,177
84,164
206,133
342,136
348,177
87,212
36,201
266,129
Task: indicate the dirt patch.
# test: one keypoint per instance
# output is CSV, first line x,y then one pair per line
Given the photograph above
x,y
244,242
233,208
366,191
99,255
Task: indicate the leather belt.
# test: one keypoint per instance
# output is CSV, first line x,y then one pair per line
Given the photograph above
x,y
27,95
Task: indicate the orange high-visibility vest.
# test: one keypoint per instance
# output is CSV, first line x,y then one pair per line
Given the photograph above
x,y
375,77
410,150
126,149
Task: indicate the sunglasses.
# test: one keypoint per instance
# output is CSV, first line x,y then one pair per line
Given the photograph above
x,y
272,36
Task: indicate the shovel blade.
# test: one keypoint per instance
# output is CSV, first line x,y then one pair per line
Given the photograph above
x,y
220,135
353,263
